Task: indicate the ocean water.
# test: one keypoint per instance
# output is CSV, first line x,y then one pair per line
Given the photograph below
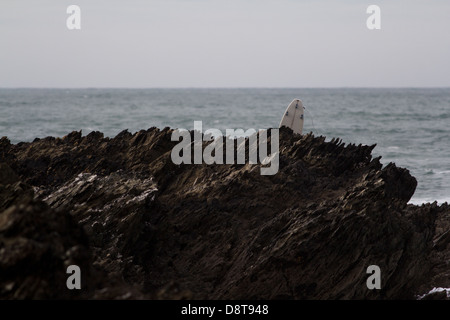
x,y
411,127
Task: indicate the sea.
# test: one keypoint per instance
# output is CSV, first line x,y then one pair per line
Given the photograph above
x,y
410,126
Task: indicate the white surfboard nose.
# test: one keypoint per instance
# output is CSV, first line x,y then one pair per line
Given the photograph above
x,y
293,116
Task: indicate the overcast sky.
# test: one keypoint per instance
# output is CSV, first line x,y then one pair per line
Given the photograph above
x,y
224,43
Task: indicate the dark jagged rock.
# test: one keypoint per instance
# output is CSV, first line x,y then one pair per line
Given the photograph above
x,y
148,228
114,211
36,243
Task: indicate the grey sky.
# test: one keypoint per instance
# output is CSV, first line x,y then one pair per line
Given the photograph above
x,y
224,43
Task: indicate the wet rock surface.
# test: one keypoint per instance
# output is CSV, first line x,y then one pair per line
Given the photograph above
x,y
141,227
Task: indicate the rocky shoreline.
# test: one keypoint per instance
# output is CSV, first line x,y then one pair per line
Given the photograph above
x,y
141,227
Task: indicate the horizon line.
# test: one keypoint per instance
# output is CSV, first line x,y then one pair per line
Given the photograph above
x,y
243,87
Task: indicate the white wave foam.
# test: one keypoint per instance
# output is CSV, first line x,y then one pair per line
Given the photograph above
x,y
419,201
439,289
